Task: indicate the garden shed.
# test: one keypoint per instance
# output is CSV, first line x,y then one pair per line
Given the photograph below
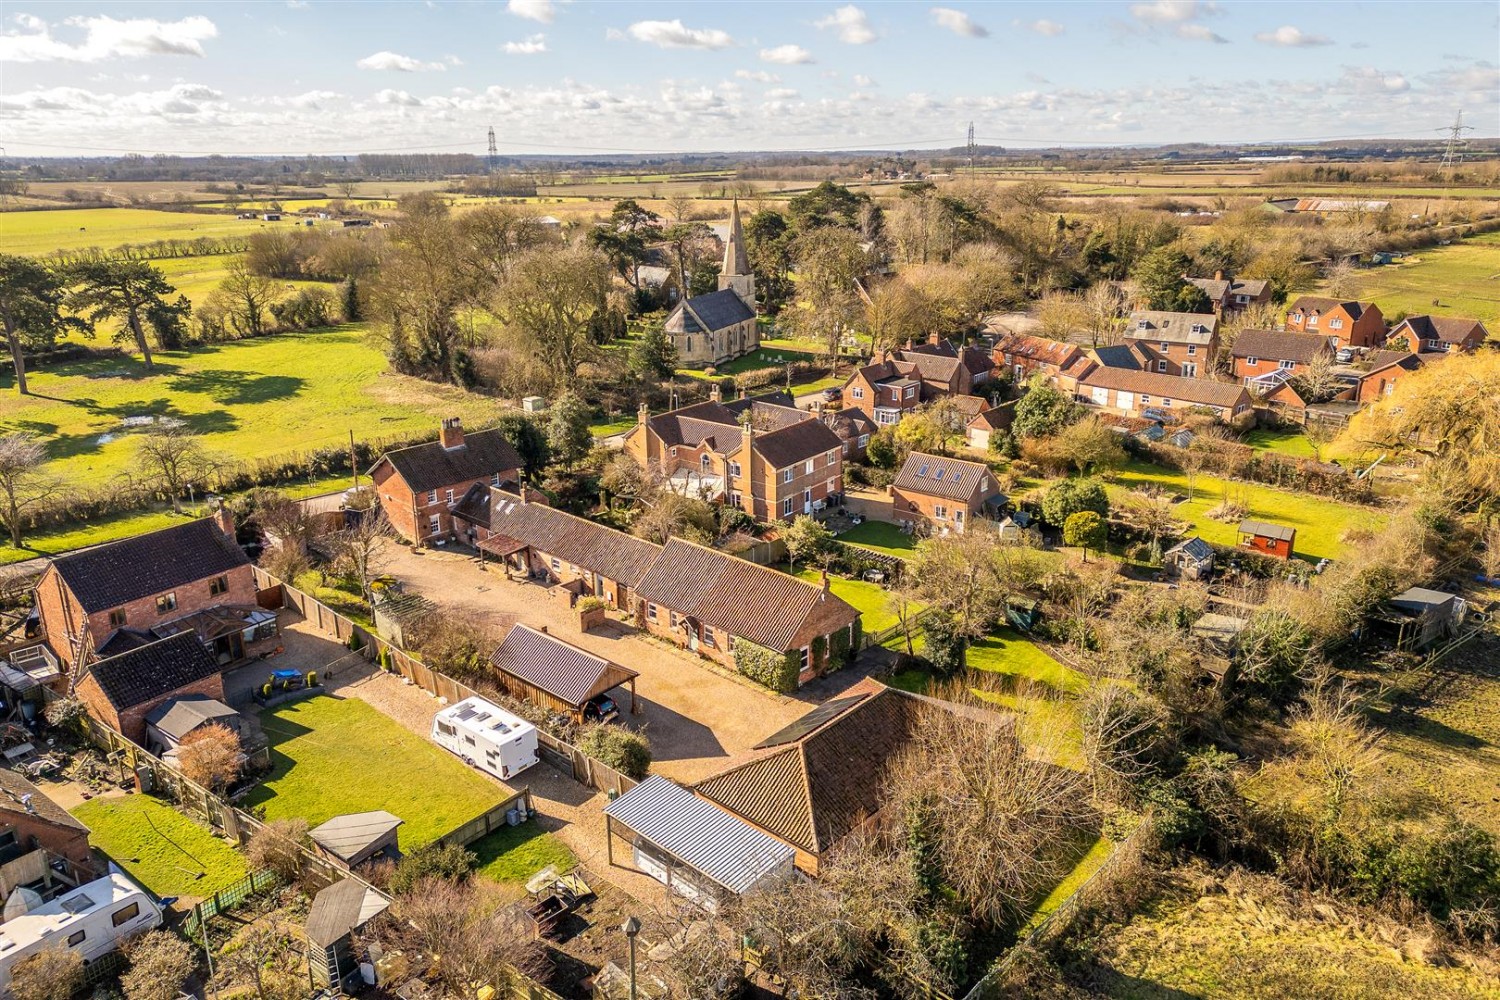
x,y
1189,559
1268,539
1422,617
558,675
337,912
355,838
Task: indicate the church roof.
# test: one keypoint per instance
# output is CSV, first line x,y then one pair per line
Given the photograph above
x,y
706,313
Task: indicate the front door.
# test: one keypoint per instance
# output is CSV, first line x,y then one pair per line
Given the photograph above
x,y
692,633
807,501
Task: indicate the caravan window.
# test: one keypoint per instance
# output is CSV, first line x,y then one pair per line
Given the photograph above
x,y
125,914
76,938
446,729
469,740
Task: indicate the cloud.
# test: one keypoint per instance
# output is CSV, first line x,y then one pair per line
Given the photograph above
x,y
860,80
851,23
399,63
314,100
1170,11
1291,37
958,22
398,97
1200,33
533,10
674,34
297,4
1367,80
530,46
1042,27
780,94
106,38
758,75
786,55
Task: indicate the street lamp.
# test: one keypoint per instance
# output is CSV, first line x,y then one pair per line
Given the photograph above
x,y
631,927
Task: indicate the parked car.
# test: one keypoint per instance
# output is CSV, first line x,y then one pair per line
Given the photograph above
x,y
833,394
601,708
1345,355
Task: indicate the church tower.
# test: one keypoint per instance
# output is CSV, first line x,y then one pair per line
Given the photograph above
x,y
736,274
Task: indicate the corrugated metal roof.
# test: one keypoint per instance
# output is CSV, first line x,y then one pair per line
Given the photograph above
x,y
699,834
561,669
353,833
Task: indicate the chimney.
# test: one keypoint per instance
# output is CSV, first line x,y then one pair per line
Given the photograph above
x,y
909,344
542,629
451,434
224,520
825,585
715,393
880,356
1219,275
933,338
642,413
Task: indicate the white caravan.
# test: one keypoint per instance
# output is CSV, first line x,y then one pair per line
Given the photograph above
x,y
486,736
93,920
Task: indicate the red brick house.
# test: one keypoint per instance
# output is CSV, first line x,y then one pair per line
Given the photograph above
x,y
854,428
418,486
1439,334
1269,355
35,832
1353,324
712,603
1024,356
1267,539
946,494
121,690
1131,392
1173,343
897,382
1379,372
1230,295
194,576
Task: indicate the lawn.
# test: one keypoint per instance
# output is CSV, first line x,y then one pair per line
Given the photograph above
x,y
515,853
871,600
1292,444
248,399
1321,524
332,756
1093,859
880,536
609,428
1463,277
160,847
36,233
761,357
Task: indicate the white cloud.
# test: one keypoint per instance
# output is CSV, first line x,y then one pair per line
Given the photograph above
x,y
1170,11
1200,33
1292,37
1367,80
958,22
674,34
860,80
533,10
758,75
786,55
780,94
314,100
106,38
851,23
399,63
530,46
1042,27
398,97
297,4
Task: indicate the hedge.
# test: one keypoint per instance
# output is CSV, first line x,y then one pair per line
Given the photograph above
x,y
776,671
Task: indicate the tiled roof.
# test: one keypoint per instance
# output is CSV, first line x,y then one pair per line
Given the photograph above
x,y
706,313
1280,345
721,424
937,476
179,716
1189,390
1039,349
797,443
994,418
977,361
1322,304
1172,327
1449,329
141,675
559,668
850,422
577,540
1378,360
14,787
430,466
933,367
970,406
117,573
764,606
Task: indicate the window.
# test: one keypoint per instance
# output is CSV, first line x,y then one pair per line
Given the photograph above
x,y
1192,349
125,914
76,938
449,497
556,565
708,637
1161,366
432,496
447,729
940,512
735,500
674,452
806,658
1434,344
786,475
1312,321
117,618
734,468
705,463
672,619
651,612
1286,365
911,391
832,486
1145,399
786,507
864,439
807,467
166,602
1252,362
434,524
1189,371
1336,324
859,392
495,479
958,517
218,585
1165,401
833,458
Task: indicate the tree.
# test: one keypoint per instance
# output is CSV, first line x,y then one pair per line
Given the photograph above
x,y
1086,530
829,263
1123,738
768,243
171,458
828,204
1318,381
1153,515
895,312
1043,411
530,441
424,280
1103,305
671,515
359,549
967,576
1160,275
653,357
31,308
548,300
568,434
938,428
277,846
22,484
692,245
54,973
807,540
161,963
210,755
1063,500
624,237
1091,446
473,935
946,648
246,297
1060,314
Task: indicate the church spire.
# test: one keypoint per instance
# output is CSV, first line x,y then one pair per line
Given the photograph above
x,y
736,261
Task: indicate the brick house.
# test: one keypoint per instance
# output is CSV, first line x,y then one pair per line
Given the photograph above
x,y
883,390
1131,392
34,832
987,423
418,486
709,602
771,460
121,690
1173,343
898,382
1268,539
1024,356
1231,295
1261,353
946,494
1377,374
854,428
1353,324
1439,334
96,601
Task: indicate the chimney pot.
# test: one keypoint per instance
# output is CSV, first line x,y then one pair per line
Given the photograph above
x,y
225,520
451,433
825,581
933,338
1219,275
542,629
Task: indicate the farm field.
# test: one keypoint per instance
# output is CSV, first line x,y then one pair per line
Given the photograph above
x,y
36,233
159,847
331,756
198,277
1463,277
242,396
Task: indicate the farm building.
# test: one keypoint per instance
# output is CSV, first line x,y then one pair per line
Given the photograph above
x,y
355,838
1267,539
547,671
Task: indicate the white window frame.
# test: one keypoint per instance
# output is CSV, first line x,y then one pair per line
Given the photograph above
x,y
1286,364
650,612
807,467
939,512
806,658
1161,366
786,507
449,496
786,474
1252,361
432,496
734,469
434,524
833,458
495,479
1192,349
858,392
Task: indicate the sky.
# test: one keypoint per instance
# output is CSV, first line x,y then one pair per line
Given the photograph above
x,y
318,76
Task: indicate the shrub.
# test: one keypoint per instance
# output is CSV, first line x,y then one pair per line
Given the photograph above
x,y
625,751
54,973
764,666
161,963
1455,867
1070,496
947,648
591,603
68,714
275,846
449,862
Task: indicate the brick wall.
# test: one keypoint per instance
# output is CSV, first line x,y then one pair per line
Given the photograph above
x,y
59,841
411,513
917,507
132,721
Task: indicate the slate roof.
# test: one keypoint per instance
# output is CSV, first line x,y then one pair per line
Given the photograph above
x,y
1120,356
1323,304
145,674
933,367
707,313
762,605
1218,289
1039,349
577,540
430,466
937,476
179,716
1189,390
1264,529
1448,329
14,787
1280,345
117,573
783,434
559,668
1172,327
1380,360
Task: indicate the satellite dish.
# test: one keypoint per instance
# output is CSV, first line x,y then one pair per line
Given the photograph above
x,y
21,902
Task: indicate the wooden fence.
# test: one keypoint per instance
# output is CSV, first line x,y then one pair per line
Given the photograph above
x,y
493,819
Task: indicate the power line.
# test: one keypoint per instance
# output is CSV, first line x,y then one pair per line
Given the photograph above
x,y
971,147
494,152
1453,155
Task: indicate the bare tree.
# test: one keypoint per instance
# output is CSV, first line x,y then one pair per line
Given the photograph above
x,y
172,458
211,756
161,963
1103,305
1489,558
54,973
359,549
276,846
1122,738
22,485
475,937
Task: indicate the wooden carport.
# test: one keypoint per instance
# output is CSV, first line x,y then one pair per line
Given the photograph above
x,y
541,668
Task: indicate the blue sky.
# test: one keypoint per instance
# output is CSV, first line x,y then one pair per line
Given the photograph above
x,y
325,77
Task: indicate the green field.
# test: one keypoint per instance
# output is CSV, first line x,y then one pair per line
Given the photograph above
x,y
161,848
1464,279
37,233
197,277
248,399
1293,444
880,536
331,756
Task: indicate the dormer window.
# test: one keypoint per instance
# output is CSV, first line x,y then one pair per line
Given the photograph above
x,y
1312,321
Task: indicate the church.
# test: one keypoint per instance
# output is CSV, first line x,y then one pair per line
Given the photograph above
x,y
720,326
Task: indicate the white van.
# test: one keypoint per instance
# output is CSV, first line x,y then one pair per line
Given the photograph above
x,y
486,736
93,920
